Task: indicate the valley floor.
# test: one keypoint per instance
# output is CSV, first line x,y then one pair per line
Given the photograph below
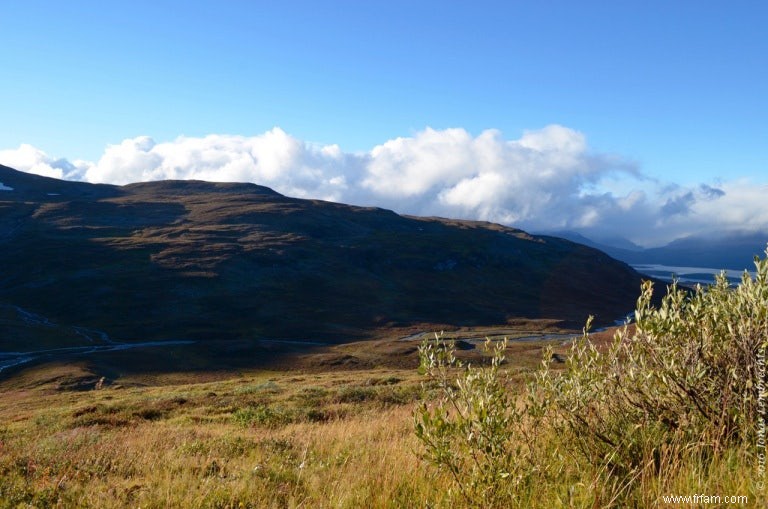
x,y
328,433
330,427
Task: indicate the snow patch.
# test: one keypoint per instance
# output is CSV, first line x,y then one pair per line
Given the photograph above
x,y
5,188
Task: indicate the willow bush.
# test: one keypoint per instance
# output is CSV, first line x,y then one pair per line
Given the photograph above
x,y
467,429
685,383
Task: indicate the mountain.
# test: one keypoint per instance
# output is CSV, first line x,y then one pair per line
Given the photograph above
x,y
177,260
605,244
719,250
733,250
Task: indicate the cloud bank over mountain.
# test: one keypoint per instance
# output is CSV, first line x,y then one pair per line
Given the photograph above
x,y
548,179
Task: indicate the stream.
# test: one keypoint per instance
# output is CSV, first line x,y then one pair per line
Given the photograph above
x,y
481,339
99,342
9,359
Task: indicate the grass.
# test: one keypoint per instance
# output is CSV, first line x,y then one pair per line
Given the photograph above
x,y
321,435
264,439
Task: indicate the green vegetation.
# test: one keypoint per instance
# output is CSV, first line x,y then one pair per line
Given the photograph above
x,y
475,429
673,405
670,405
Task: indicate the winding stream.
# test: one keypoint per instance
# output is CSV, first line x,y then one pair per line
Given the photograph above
x,y
99,342
9,359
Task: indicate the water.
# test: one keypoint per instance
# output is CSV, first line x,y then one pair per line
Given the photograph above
x,y
10,359
99,341
419,336
703,275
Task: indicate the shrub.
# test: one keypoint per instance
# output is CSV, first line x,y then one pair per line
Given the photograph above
x,y
687,379
474,429
263,415
685,384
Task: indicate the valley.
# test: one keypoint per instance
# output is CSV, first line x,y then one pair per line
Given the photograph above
x,y
248,276
383,255
195,344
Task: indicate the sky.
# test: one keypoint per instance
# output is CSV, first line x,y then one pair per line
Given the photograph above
x,y
639,119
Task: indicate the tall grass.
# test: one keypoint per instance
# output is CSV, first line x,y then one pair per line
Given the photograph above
x,y
184,446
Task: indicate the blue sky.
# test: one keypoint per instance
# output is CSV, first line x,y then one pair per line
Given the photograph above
x,y
678,90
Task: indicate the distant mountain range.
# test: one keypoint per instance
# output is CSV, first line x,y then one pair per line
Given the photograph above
x,y
198,260
718,250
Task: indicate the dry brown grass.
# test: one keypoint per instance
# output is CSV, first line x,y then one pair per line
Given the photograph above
x,y
265,439
338,439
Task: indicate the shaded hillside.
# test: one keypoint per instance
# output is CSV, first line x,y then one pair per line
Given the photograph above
x,y
189,259
719,250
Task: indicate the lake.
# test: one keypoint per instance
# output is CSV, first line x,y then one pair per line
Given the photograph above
x,y
703,275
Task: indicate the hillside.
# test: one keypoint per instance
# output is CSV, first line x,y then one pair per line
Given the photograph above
x,y
212,261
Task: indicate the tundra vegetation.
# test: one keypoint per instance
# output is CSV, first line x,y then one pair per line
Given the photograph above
x,y
671,404
674,404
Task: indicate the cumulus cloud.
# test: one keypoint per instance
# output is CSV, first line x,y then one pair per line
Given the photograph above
x,y
273,159
537,180
32,160
548,179
741,204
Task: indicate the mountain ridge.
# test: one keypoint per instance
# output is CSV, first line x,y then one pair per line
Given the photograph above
x,y
206,261
734,250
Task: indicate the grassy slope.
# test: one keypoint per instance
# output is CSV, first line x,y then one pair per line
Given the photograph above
x,y
318,436
264,439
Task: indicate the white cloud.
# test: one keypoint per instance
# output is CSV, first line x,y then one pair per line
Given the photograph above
x,y
272,159
548,179
33,160
406,167
742,204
